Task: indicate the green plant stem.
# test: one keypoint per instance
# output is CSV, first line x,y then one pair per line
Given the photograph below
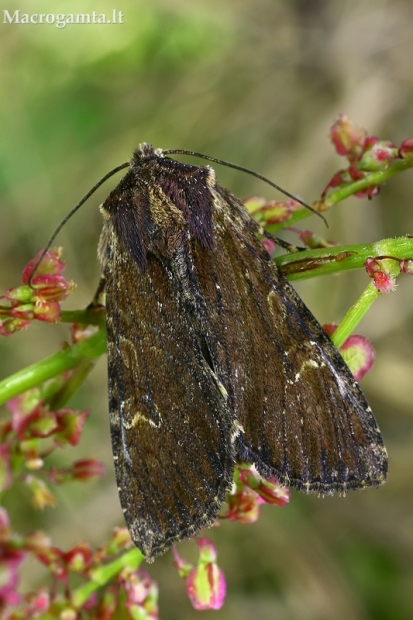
x,y
90,349
88,316
372,178
102,575
324,261
378,177
354,314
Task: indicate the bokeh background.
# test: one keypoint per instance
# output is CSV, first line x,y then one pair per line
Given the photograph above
x,y
258,83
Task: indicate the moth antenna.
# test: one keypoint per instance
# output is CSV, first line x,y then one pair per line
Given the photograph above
x,y
72,212
248,171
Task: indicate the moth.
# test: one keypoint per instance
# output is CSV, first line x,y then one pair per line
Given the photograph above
x,y
213,359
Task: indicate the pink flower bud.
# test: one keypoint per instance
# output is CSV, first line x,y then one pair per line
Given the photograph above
x,y
87,469
406,149
121,539
347,138
383,280
268,244
255,204
40,422
275,212
9,326
244,506
79,558
70,425
22,294
40,602
11,560
406,266
313,241
183,567
141,594
22,405
50,265
205,584
270,491
41,496
377,156
48,311
358,353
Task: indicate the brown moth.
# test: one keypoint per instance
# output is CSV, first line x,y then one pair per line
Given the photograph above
x,y
214,359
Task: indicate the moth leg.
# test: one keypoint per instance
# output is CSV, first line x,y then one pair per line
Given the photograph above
x,y
284,244
99,291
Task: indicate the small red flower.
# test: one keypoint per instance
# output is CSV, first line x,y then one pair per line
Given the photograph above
x,y
141,594
406,149
406,266
40,601
79,558
313,241
377,155
244,506
70,425
270,491
357,352
251,491
268,244
205,584
41,495
11,560
87,469
348,138
383,280
272,212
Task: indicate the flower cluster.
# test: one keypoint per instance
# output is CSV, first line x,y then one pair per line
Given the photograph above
x,y
251,491
130,587
271,212
31,433
39,297
364,153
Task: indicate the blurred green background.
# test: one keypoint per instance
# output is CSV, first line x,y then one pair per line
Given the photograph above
x,y
258,83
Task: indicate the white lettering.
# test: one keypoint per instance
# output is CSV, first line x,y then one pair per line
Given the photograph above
x,y
83,18
60,20
7,18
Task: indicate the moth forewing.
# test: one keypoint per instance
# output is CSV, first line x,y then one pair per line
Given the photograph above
x,y
214,359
